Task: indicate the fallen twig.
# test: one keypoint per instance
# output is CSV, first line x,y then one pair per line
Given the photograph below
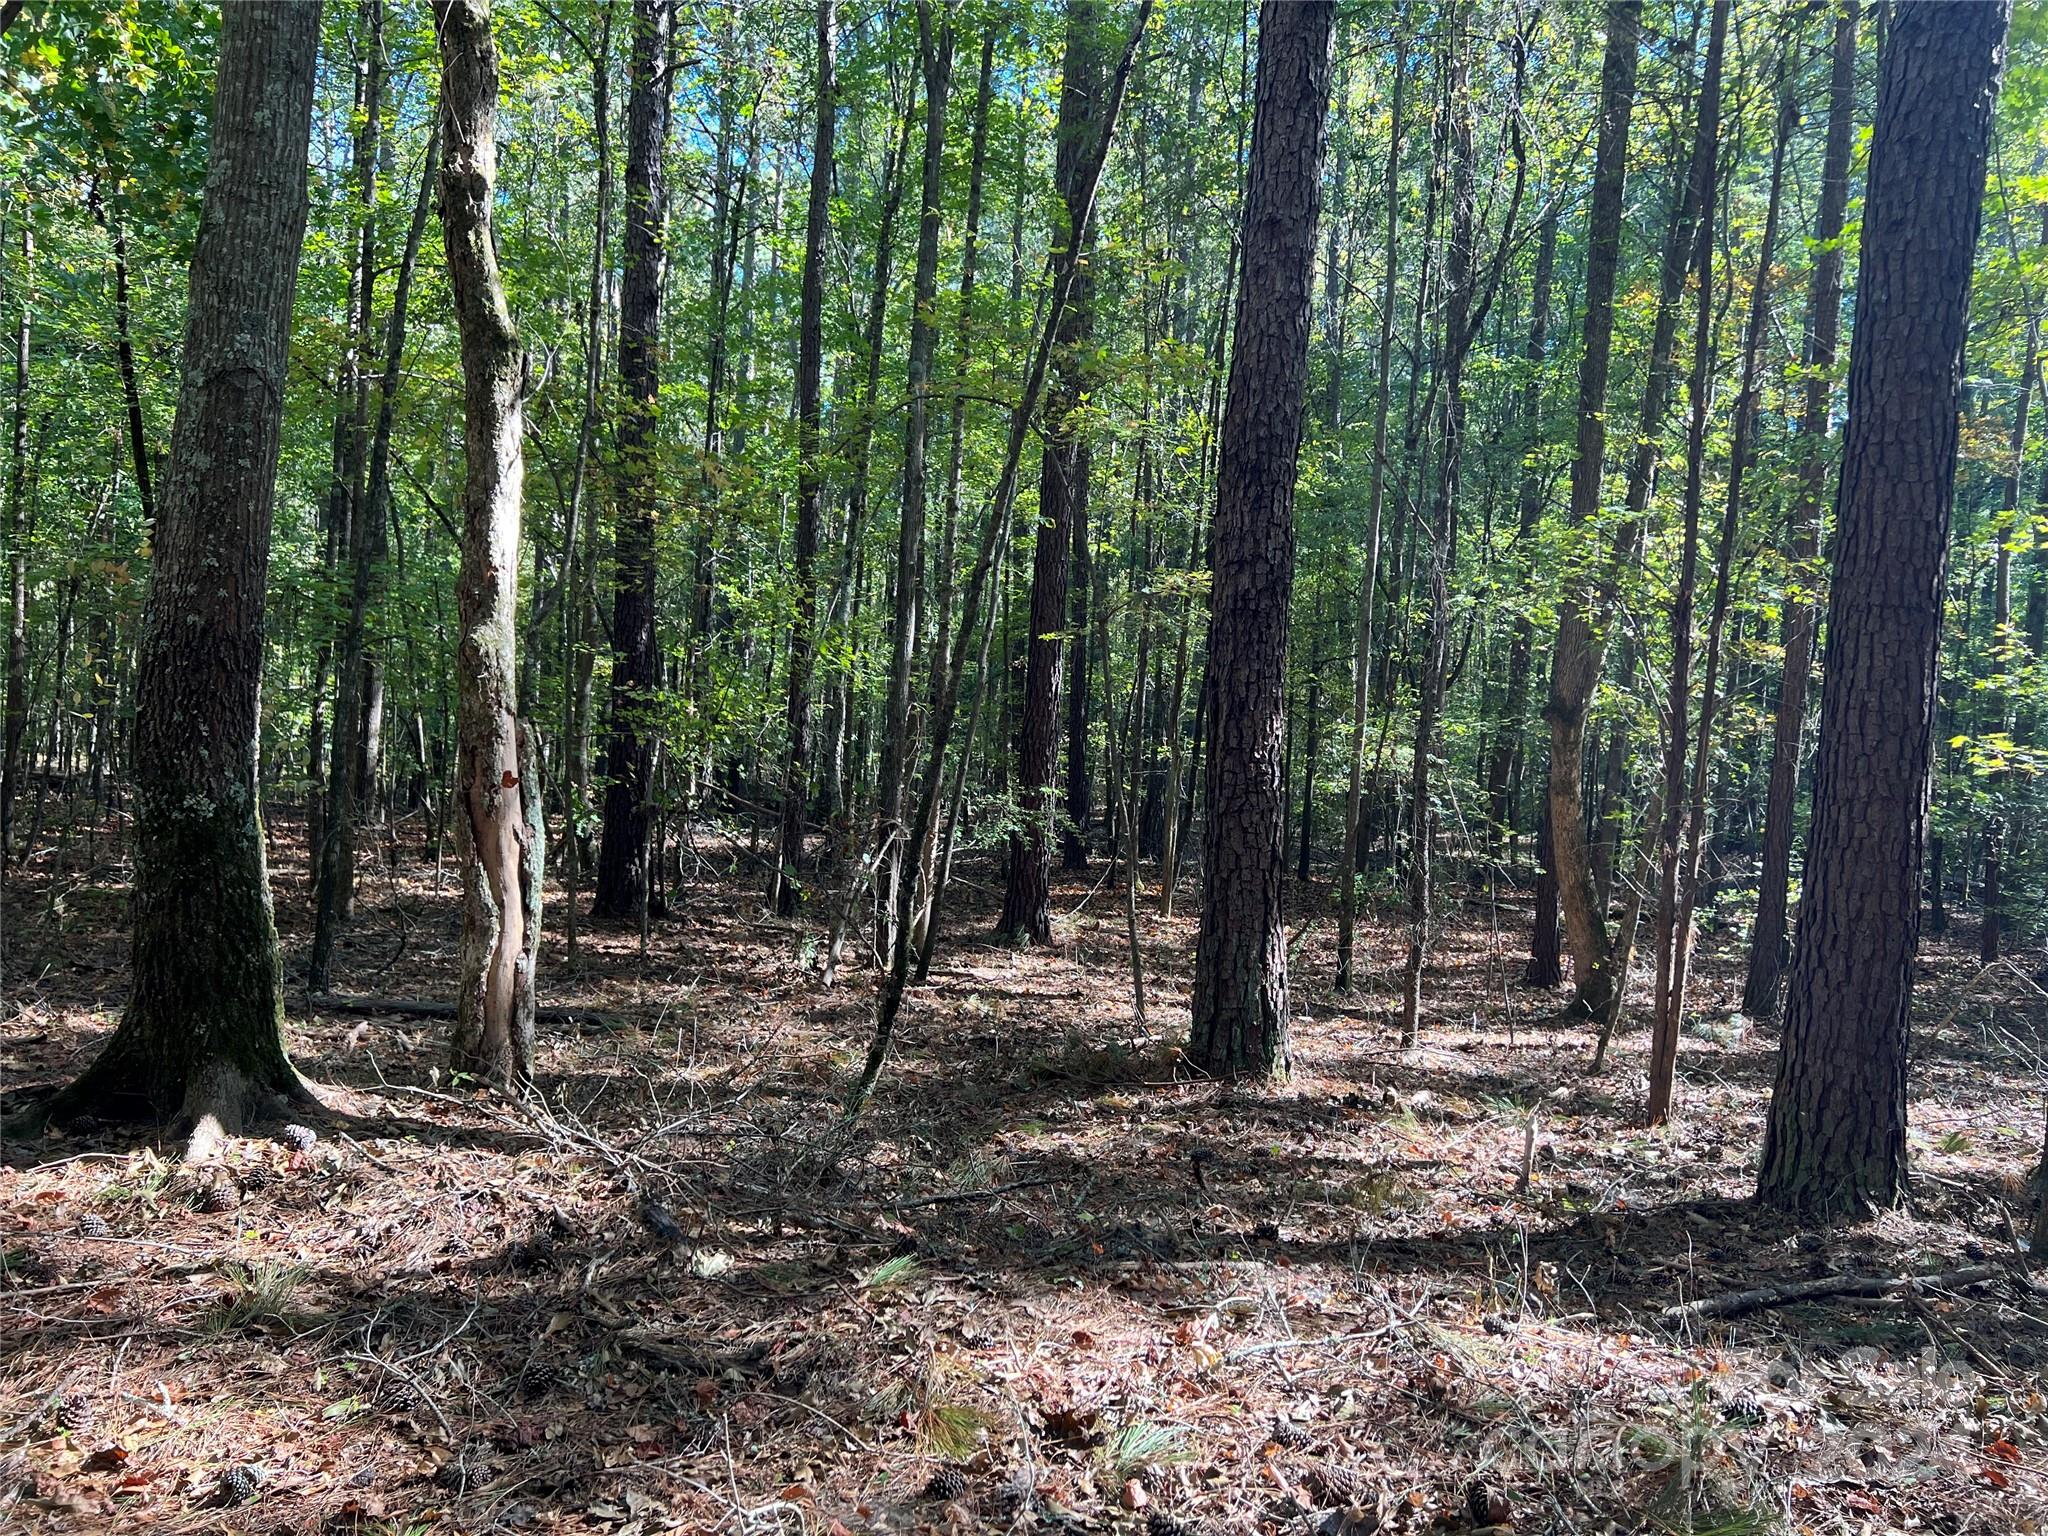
x,y
1791,1292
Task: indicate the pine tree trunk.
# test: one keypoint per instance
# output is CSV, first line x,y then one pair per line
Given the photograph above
x,y
1240,1014
1769,948
497,775
1836,1136
622,874
1575,664
201,1042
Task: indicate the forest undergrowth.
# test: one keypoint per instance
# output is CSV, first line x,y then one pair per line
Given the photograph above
x,y
1046,1282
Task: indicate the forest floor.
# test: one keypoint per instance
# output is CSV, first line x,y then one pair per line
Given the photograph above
x,y
1105,1294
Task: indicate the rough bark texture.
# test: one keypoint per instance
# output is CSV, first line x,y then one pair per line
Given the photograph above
x,y
1575,664
497,779
636,662
810,472
1836,1136
1239,1023
1062,514
1768,948
202,1039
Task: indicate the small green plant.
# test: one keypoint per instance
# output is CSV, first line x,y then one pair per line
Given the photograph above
x,y
1954,1142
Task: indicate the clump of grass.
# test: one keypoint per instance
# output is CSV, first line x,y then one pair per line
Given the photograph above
x,y
892,1274
259,1295
1138,1444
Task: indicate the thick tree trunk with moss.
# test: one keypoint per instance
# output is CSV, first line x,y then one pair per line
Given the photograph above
x,y
201,1042
1768,947
497,776
1575,664
1836,1136
1240,1015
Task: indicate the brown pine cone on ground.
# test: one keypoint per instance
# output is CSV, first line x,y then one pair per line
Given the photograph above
x,y
947,1484
1330,1484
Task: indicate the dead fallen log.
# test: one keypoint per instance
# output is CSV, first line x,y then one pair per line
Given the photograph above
x,y
1828,1287
434,1008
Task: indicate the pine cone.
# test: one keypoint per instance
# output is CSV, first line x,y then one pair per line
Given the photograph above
x,y
1330,1485
1488,1504
400,1394
1160,1523
238,1485
300,1138
93,1224
220,1198
947,1484
537,1378
460,1476
75,1415
1289,1435
258,1176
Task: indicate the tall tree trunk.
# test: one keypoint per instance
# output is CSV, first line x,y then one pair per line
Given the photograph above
x,y
1529,508
124,357
1438,554
497,775
940,859
578,542
1062,499
622,874
14,720
1240,1014
987,560
202,1039
335,857
899,859
810,472
1768,945
1836,1136
1369,575
1575,664
2004,640
1675,930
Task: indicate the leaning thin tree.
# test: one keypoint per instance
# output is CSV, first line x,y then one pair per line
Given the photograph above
x,y
1836,1138
497,783
1239,1026
201,1043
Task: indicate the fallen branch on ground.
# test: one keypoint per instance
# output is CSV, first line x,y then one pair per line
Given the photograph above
x,y
1865,1287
